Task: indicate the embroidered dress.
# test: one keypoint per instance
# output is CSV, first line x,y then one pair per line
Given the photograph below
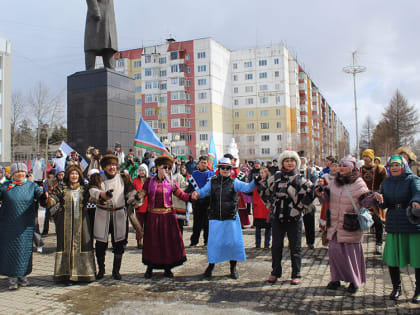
x,y
163,246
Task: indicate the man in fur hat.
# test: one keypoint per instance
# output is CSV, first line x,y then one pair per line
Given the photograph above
x,y
373,175
110,215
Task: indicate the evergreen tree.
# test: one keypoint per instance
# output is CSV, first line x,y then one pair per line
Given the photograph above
x,y
366,135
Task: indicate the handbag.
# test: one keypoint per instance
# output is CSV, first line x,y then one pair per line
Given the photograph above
x,y
364,217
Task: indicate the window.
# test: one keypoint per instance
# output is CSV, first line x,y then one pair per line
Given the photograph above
x,y
174,68
137,76
202,109
278,125
276,61
264,113
187,83
248,76
249,101
148,111
235,78
187,69
279,150
202,95
187,57
278,137
138,88
263,87
236,102
250,138
262,62
277,86
155,84
235,90
137,64
120,63
162,125
276,74
202,123
265,151
180,122
138,115
163,112
235,66
264,100
162,99
148,85
181,81
162,60
204,137
250,126
251,151
202,68
181,67
236,114
248,64
148,98
278,112
201,54
265,125
180,109
250,113
249,89
148,59
263,75
236,126
265,138
278,100
162,73
174,55
147,72
163,86
138,101
202,81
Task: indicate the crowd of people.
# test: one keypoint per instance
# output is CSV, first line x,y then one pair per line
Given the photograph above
x,y
157,194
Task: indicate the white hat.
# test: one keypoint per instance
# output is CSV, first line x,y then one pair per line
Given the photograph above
x,y
288,154
224,161
145,168
18,167
93,171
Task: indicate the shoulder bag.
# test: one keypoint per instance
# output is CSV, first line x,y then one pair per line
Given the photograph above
x,y
364,218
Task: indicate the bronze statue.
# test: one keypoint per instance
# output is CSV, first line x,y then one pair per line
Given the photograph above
x,y
100,33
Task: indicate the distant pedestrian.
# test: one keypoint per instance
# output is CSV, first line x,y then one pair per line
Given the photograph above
x,y
261,212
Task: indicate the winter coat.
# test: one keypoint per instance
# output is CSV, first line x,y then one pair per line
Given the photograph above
x,y
400,192
340,204
100,34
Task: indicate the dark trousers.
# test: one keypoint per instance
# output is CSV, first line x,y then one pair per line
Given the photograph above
x,y
201,221
47,217
293,230
309,223
379,228
117,247
181,225
267,237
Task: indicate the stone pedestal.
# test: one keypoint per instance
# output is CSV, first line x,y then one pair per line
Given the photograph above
x,y
100,110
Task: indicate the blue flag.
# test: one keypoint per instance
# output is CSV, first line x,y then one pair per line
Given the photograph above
x,y
212,154
146,138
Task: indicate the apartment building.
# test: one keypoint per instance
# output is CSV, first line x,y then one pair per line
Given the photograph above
x,y
192,90
5,98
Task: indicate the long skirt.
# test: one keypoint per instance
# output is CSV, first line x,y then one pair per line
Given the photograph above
x,y
225,241
402,249
243,214
163,247
347,262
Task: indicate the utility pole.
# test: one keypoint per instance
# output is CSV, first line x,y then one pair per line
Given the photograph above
x,y
354,69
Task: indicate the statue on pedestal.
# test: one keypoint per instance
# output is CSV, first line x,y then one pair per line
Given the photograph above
x,y
100,33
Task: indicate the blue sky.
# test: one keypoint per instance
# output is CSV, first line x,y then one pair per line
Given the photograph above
x,y
47,40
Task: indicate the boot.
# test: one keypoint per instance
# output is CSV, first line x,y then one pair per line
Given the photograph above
x,y
168,273
101,267
149,272
116,267
394,273
416,297
233,272
209,270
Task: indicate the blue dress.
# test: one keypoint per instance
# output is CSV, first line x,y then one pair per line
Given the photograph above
x,y
17,220
225,236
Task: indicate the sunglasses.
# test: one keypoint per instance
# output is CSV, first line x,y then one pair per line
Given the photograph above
x,y
166,167
225,168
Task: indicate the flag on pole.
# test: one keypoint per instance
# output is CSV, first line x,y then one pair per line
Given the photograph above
x,y
146,138
212,154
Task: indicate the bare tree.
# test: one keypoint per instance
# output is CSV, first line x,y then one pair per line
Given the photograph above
x,y
401,120
17,117
366,135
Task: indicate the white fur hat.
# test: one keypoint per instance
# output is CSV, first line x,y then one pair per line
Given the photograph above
x,y
145,168
288,154
18,167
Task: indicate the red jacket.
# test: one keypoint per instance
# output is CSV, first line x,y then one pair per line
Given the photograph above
x,y
138,184
260,210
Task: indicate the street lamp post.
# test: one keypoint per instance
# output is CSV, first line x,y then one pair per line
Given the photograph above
x,y
354,69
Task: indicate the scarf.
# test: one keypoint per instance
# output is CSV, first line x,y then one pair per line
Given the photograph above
x,y
14,183
342,180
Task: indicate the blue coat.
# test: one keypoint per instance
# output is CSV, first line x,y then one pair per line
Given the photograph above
x,y
17,220
400,190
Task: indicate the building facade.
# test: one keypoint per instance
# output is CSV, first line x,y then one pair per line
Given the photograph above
x,y
190,91
5,98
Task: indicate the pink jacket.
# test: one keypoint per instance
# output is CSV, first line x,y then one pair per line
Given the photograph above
x,y
340,204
